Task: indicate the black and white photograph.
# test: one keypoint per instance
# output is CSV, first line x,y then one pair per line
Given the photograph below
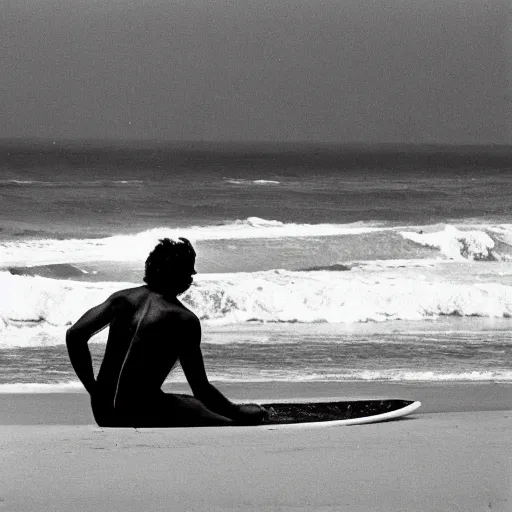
x,y
256,255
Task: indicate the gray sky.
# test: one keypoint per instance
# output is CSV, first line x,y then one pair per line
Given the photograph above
x,y
321,70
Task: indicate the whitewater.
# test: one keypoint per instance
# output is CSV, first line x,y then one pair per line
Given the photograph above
x,y
270,296
468,273
462,242
324,263
135,247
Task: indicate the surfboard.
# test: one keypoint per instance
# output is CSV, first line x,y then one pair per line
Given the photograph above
x,y
335,413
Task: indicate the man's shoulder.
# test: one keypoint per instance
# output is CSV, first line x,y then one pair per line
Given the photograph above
x,y
160,310
176,316
182,314
130,293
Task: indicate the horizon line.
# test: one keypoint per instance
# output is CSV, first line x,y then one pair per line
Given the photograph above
x,y
90,140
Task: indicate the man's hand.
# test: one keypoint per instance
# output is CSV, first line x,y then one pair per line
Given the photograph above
x,y
250,414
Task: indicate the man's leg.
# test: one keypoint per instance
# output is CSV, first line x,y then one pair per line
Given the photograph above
x,y
248,414
169,410
187,411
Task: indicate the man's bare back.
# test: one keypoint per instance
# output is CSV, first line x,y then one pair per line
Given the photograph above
x,y
150,331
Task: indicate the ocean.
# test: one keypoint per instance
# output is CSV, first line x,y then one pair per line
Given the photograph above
x,y
315,262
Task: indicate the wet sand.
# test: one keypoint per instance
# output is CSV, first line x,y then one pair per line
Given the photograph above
x,y
453,455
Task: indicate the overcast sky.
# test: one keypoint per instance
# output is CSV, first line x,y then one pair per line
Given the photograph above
x,y
321,70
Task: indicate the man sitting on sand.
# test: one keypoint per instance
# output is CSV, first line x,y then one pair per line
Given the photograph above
x,y
150,330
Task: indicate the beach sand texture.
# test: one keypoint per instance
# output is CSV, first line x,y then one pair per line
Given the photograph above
x,y
429,462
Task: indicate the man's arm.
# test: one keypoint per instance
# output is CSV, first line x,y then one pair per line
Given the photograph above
x,y
191,360
79,334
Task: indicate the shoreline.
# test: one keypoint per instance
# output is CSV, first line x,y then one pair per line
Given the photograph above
x,y
73,407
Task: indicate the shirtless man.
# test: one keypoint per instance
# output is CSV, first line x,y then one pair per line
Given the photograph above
x,y
150,330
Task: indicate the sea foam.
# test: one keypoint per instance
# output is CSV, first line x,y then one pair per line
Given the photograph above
x,y
466,244
41,308
293,376
456,244
137,246
241,181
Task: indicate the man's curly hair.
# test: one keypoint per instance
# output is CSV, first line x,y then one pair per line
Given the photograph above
x,y
168,262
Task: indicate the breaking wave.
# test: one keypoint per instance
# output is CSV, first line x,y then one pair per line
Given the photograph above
x,y
458,245
37,307
137,246
473,243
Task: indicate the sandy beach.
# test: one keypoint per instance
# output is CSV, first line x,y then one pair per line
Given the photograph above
x,y
453,455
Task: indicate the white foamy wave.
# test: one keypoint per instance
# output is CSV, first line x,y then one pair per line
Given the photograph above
x,y
406,375
456,244
367,375
35,311
502,232
341,297
240,181
40,309
136,247
431,376
27,335
68,386
41,183
394,375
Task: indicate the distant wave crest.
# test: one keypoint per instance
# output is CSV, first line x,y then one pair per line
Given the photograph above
x,y
240,181
137,246
470,243
58,271
71,184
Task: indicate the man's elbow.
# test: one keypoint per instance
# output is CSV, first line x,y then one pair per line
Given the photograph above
x,y
69,336
72,336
